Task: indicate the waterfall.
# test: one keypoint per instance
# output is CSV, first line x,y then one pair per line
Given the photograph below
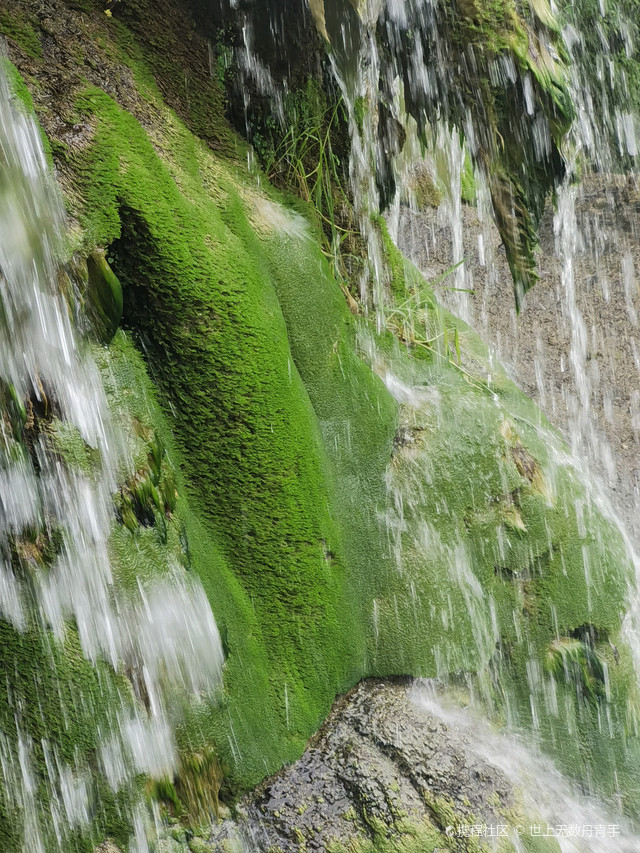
x,y
161,633
408,75
587,265
601,139
473,136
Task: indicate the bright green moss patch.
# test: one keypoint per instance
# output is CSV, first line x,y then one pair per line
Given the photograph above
x,y
17,85
357,416
247,709
242,418
246,431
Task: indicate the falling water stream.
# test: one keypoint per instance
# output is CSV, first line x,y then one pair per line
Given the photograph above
x,y
164,632
578,824
578,249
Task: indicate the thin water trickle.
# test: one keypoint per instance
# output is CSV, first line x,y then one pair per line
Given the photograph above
x,y
164,631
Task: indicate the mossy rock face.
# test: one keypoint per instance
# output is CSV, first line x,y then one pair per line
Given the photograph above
x,y
498,72
197,297
425,192
391,774
352,506
104,295
22,29
613,98
501,548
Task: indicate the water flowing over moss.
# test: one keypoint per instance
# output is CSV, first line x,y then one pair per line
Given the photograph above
x,y
497,72
298,466
353,504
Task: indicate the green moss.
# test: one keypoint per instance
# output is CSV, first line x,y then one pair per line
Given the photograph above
x,y
247,729
65,439
337,532
284,437
104,304
472,460
60,701
261,481
544,575
468,181
260,475
17,85
173,60
425,192
21,30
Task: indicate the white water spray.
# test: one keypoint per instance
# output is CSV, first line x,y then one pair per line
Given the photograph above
x,y
164,632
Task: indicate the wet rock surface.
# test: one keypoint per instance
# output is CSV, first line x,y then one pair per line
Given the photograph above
x,y
380,768
577,356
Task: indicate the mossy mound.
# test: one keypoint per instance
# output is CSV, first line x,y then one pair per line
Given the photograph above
x,y
196,297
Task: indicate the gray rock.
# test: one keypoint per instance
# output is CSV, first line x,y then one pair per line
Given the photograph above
x,y
380,768
536,345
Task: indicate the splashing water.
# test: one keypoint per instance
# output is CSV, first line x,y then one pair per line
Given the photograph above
x,y
579,825
163,632
574,348
395,68
42,361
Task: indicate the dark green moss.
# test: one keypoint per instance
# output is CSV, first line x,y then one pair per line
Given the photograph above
x,y
464,94
176,59
23,30
57,699
612,35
